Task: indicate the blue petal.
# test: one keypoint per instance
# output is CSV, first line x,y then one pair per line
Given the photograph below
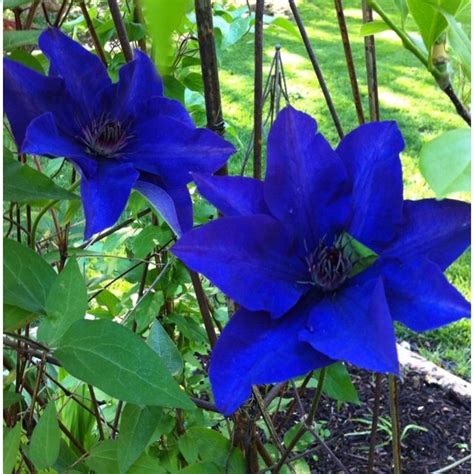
x,y
233,195
306,184
138,83
256,349
420,296
28,94
438,230
83,72
44,138
371,155
174,205
105,194
249,258
355,326
169,148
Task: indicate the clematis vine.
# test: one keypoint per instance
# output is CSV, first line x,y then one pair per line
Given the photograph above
x,y
323,256
119,136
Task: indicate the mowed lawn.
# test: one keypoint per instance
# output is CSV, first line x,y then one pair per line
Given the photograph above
x,y
407,94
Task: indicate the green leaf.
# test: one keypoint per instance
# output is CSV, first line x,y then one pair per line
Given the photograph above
x,y
429,19
147,310
460,43
374,27
338,384
403,9
10,398
68,461
137,426
45,440
162,18
146,240
304,441
15,318
119,362
21,183
210,445
27,278
162,344
286,25
103,457
66,303
241,26
14,3
15,39
27,59
202,468
11,447
145,464
445,162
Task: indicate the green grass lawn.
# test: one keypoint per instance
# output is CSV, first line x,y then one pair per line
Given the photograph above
x,y
407,93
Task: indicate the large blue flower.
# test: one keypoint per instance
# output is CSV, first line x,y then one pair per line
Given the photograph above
x,y
288,250
120,135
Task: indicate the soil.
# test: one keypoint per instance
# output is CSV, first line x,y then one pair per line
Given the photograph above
x,y
444,415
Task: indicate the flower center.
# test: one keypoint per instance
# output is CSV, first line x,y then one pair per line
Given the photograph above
x,y
330,266
105,137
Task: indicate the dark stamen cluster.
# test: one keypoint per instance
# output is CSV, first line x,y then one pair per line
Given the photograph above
x,y
330,266
105,137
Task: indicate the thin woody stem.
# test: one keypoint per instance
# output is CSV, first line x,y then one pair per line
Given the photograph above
x,y
209,69
258,92
96,412
375,422
349,60
371,66
121,30
95,39
316,67
204,308
395,416
308,422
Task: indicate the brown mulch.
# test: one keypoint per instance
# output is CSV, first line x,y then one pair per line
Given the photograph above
x,y
445,416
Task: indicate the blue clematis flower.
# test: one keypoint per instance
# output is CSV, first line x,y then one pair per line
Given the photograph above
x,y
119,136
289,251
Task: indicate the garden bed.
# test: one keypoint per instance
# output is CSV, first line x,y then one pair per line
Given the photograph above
x,y
441,412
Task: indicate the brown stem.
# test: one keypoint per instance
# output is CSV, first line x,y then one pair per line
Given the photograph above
x,y
371,66
349,60
138,17
95,39
204,308
375,422
115,423
43,403
34,397
267,459
121,30
210,73
60,13
460,107
308,421
395,415
258,91
317,69
31,14
96,412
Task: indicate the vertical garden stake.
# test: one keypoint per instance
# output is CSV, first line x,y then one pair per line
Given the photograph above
x,y
316,68
371,66
121,31
395,415
210,73
349,60
258,92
